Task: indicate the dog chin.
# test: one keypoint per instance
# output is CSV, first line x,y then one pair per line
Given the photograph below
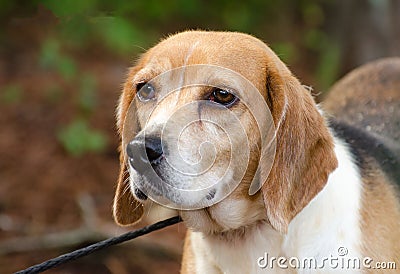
x,y
141,186
200,221
226,216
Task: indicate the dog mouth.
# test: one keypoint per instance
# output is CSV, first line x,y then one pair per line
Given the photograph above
x,y
189,200
139,194
158,181
157,175
191,217
145,185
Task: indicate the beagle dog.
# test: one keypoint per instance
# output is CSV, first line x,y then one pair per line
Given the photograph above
x,y
214,125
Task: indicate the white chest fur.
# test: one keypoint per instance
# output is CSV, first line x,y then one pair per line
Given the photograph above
x,y
328,226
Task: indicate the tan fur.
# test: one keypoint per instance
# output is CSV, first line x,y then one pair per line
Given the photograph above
x,y
302,163
304,153
188,259
217,48
380,213
126,209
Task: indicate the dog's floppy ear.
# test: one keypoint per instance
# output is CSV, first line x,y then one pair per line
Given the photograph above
x,y
126,209
304,149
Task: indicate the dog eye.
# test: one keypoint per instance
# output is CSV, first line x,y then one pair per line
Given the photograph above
x,y
223,97
145,91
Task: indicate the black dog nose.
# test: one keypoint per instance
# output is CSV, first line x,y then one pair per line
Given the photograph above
x,y
143,151
153,149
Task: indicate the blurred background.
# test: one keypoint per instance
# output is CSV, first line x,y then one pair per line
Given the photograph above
x,y
62,64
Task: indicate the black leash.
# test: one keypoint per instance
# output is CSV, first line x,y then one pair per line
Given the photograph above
x,y
97,246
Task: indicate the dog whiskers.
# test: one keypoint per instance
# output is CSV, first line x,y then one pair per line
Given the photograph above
x,y
148,210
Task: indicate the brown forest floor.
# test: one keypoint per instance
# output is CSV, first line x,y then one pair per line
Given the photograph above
x,y
40,183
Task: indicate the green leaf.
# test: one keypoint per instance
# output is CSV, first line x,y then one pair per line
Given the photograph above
x,y
66,67
87,94
51,58
315,39
11,94
78,138
63,8
237,17
328,67
118,33
286,51
49,53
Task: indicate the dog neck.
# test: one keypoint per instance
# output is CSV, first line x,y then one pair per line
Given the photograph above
x,y
329,222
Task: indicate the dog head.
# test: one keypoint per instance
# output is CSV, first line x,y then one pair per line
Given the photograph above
x,y
208,118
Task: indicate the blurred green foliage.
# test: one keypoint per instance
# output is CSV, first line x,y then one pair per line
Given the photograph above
x,y
11,94
53,94
125,28
51,58
78,138
87,97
